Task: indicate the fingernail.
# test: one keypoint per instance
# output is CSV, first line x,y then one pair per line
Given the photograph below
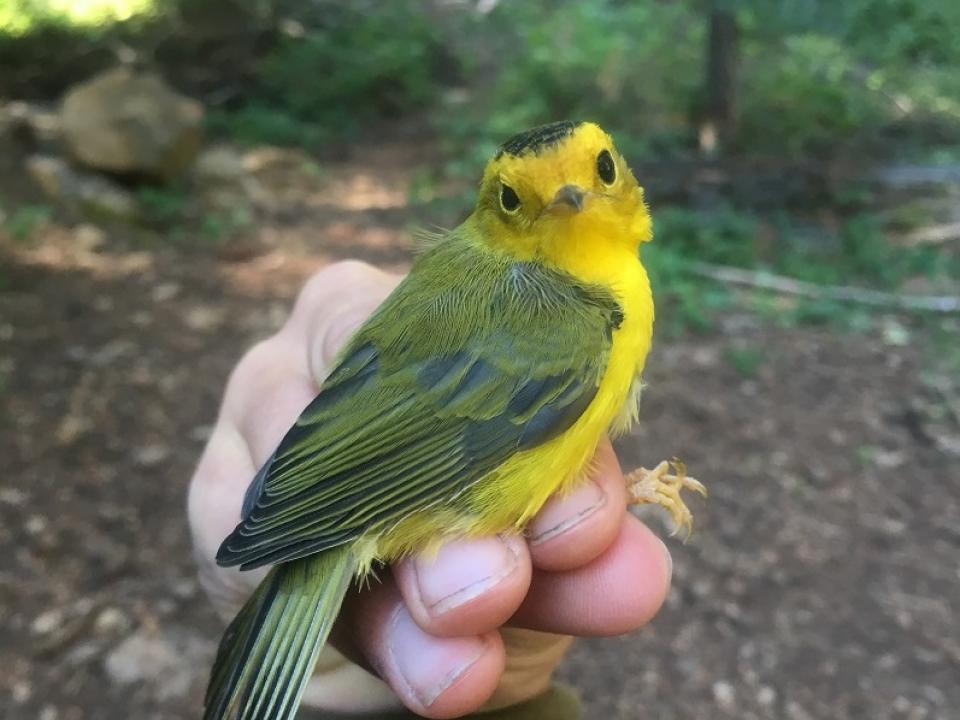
x,y
560,514
669,557
463,570
428,665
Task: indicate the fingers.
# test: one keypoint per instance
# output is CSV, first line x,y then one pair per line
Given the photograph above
x,y
616,593
435,677
571,530
468,587
471,586
588,568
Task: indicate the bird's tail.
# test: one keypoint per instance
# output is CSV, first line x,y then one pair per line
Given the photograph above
x,y
269,650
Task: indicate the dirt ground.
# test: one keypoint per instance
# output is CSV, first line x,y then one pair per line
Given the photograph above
x,y
823,581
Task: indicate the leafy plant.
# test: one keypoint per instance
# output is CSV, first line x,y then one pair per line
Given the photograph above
x,y
24,222
347,64
747,361
163,205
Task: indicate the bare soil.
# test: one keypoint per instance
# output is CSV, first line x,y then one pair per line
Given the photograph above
x,y
823,580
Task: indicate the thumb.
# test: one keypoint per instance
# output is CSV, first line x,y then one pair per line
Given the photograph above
x,y
332,305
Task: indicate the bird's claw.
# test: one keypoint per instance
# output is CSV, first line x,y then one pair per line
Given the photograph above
x,y
660,487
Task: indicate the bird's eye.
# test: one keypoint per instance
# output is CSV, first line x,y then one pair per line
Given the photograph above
x,y
606,167
509,200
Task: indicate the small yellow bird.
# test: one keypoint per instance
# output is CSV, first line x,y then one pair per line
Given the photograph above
x,y
477,390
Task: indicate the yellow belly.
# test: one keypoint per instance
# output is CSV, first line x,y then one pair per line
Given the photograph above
x,y
511,495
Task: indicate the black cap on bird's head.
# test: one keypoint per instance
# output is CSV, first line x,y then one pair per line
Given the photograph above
x,y
535,139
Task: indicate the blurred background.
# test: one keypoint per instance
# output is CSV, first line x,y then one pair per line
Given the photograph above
x,y
171,172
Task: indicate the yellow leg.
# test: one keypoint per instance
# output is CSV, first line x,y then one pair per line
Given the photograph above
x,y
659,487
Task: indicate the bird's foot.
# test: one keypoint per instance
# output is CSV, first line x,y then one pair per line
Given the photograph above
x,y
660,487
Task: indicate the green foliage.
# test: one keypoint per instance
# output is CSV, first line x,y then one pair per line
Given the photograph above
x,y
623,65
860,253
26,220
346,64
747,361
804,95
176,211
684,301
864,254
257,123
723,235
632,67
20,17
163,206
813,76
218,226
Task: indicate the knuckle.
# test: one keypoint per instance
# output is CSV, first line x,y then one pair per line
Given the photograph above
x,y
320,289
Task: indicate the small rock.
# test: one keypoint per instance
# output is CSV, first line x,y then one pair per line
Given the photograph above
x,y
83,653
766,695
36,524
203,317
112,351
21,692
12,496
796,711
72,427
88,192
723,693
170,662
889,459
895,333
150,455
165,291
46,622
49,173
141,319
185,589
58,627
127,122
111,620
88,237
220,165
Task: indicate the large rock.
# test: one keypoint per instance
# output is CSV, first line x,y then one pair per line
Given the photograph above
x,y
126,122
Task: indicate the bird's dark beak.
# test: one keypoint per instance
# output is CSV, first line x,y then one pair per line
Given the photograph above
x,y
569,199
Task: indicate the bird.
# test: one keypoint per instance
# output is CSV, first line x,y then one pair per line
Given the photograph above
x,y
477,390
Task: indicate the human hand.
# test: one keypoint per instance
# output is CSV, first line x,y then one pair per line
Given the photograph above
x,y
484,622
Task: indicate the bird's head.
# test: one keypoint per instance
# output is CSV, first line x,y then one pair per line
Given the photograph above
x,y
560,192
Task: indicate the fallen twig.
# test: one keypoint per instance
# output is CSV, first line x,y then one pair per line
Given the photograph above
x,y
932,235
840,293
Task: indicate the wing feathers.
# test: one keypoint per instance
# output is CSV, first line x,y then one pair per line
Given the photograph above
x,y
268,650
414,414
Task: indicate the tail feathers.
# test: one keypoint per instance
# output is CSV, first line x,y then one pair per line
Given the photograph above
x,y
269,650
